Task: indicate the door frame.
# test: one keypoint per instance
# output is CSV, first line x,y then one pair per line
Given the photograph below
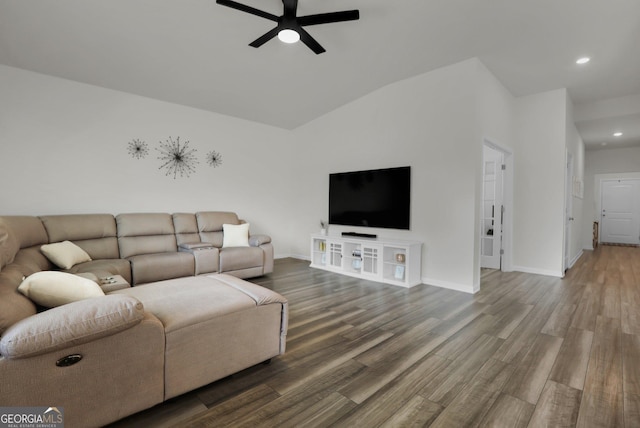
x,y
602,181
507,200
597,190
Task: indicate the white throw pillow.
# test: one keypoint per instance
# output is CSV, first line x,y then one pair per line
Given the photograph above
x,y
65,254
52,288
235,235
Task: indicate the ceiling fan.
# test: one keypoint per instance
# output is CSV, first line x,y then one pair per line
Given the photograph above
x,y
289,28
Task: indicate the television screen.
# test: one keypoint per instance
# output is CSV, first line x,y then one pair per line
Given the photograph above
x,y
374,198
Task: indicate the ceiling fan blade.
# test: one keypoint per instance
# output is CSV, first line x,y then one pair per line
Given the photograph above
x,y
310,41
265,38
290,8
326,18
244,8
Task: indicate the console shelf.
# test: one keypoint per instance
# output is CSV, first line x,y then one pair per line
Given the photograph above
x,y
392,261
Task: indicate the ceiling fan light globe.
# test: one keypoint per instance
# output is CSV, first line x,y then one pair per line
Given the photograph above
x,y
288,36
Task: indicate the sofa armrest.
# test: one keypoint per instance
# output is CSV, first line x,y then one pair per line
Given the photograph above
x,y
71,324
262,296
257,240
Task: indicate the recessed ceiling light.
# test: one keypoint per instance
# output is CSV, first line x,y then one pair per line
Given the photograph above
x,y
618,134
288,36
583,60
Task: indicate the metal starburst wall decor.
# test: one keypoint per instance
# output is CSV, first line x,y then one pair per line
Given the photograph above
x,y
177,158
137,149
214,159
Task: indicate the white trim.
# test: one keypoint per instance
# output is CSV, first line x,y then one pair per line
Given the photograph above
x,y
545,272
292,256
575,259
450,285
589,248
507,200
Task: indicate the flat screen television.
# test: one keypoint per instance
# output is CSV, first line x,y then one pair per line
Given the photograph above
x,y
374,198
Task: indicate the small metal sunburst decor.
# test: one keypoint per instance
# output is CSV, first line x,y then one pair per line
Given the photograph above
x,y
177,158
137,149
214,159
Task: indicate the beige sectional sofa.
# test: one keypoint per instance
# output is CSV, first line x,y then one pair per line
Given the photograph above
x,y
188,319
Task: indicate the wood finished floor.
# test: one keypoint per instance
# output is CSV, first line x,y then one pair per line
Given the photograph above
x,y
527,350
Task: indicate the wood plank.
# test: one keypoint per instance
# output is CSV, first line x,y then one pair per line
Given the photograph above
x,y
560,320
448,383
532,372
311,368
571,364
384,403
602,401
417,412
558,406
631,363
523,337
632,410
232,409
508,411
321,414
476,399
373,379
588,308
165,415
301,398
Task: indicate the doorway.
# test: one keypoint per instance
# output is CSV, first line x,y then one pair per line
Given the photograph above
x,y
620,212
568,217
491,228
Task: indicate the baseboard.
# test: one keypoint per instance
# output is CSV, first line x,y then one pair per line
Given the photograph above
x,y
535,271
588,248
450,285
575,259
292,256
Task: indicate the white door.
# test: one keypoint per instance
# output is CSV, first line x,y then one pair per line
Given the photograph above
x,y
620,217
491,219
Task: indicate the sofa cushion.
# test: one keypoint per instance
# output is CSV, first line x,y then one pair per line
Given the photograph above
x,y
186,228
235,235
235,258
9,245
105,267
27,230
65,254
51,288
94,233
141,233
210,225
193,300
157,267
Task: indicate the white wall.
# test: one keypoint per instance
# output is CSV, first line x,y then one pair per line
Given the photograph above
x,y
599,165
540,153
496,110
63,149
428,122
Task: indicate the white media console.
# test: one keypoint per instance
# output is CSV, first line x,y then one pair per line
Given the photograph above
x,y
392,261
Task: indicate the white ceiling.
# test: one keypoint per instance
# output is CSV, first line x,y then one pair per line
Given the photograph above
x,y
196,53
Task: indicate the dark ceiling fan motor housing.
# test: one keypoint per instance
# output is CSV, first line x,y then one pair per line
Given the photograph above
x,y
290,21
